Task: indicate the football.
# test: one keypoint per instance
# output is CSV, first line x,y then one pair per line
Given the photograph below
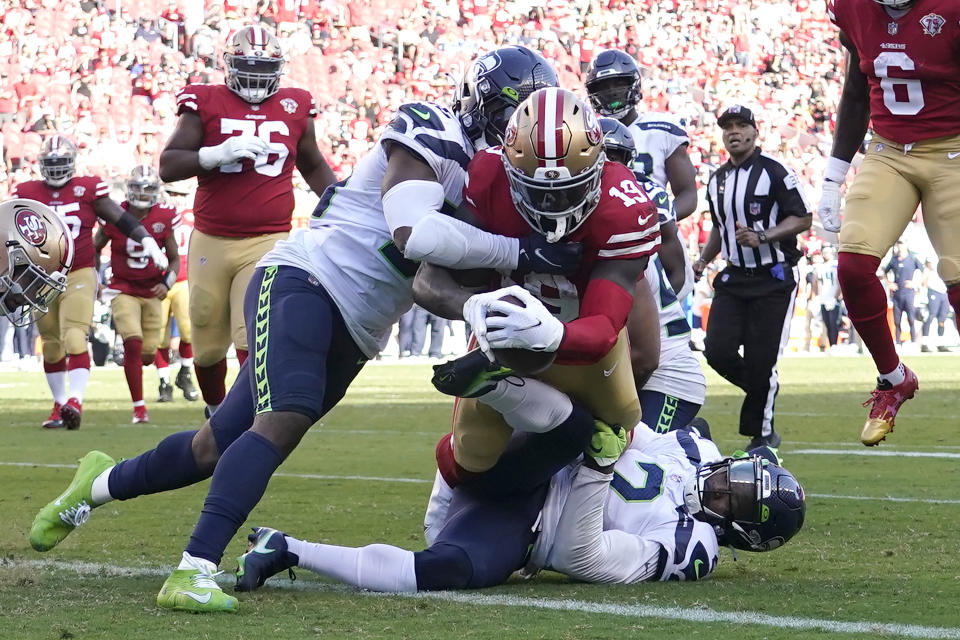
x,y
524,361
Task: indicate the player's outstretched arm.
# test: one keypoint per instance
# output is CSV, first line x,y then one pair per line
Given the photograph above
x,y
853,111
673,255
310,162
437,290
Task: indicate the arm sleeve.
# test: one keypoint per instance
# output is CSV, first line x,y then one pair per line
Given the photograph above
x,y
603,313
583,550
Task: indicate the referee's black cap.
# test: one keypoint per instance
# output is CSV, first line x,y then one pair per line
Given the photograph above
x,y
737,112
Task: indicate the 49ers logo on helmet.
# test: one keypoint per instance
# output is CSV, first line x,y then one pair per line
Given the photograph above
x,y
31,227
510,135
592,127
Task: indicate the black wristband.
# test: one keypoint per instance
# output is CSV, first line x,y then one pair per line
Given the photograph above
x,y
128,224
170,279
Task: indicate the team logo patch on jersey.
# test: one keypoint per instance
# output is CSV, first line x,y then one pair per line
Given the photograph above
x,y
78,191
31,227
932,24
158,227
289,105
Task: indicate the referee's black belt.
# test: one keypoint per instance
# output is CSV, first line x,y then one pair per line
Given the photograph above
x,y
762,270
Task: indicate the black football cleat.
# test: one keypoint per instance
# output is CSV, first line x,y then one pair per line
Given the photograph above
x,y
184,382
468,376
165,393
266,556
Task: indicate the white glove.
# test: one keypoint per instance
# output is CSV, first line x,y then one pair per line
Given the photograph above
x,y
475,313
829,209
233,149
530,327
153,251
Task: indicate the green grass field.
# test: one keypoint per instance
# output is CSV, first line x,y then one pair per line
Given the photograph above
x,y
878,555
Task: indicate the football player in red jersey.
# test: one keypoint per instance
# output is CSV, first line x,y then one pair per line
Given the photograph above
x,y
79,201
241,140
176,305
550,175
903,74
139,283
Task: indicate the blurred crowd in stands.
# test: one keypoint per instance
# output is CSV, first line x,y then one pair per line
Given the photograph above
x,y
105,73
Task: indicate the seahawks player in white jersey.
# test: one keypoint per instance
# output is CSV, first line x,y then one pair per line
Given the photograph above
x,y
660,512
672,394
613,84
318,307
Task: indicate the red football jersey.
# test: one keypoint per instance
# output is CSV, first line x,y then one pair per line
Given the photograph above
x,y
247,198
912,64
623,226
74,203
133,271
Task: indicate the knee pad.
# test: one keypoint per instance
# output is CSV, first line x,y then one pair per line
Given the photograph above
x,y
53,351
442,566
75,340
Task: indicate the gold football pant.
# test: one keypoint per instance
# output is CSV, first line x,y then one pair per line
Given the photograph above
x,y
136,317
64,328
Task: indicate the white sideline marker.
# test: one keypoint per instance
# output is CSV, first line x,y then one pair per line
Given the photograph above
x,y
473,598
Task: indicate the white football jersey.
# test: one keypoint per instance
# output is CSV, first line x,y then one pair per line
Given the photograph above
x,y
348,246
828,284
647,533
656,136
679,373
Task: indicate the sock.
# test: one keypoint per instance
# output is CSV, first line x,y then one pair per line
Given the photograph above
x,y
377,567
242,356
186,354
211,381
78,372
189,562
57,379
169,466
527,404
953,295
239,481
451,472
867,306
100,489
163,357
133,368
164,374
896,376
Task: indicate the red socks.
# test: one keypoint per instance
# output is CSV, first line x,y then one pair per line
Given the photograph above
x,y
79,361
866,302
242,356
133,367
453,474
953,295
211,381
163,358
186,349
55,367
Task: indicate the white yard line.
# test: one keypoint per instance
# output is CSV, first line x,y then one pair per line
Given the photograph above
x,y
872,453
684,614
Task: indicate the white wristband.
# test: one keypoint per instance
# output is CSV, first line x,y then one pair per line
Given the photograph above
x,y
836,170
208,157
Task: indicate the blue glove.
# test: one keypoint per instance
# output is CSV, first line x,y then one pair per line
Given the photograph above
x,y
539,256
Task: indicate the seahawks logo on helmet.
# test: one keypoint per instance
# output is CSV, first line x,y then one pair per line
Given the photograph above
x,y
486,64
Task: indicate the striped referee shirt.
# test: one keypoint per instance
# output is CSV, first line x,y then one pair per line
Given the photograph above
x,y
759,194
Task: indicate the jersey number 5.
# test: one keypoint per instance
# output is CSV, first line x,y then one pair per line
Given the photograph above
x,y
911,87
263,130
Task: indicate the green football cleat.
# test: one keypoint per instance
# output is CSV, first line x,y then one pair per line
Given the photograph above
x,y
72,508
195,590
468,376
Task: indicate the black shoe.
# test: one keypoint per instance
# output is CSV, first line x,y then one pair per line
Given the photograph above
x,y
944,349
165,393
266,556
925,349
184,382
772,441
702,426
468,376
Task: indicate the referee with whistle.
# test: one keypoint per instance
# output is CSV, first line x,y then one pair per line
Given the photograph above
x,y
758,208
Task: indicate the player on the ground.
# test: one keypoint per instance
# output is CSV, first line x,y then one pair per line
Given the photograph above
x,y
613,84
903,75
550,175
363,237
79,201
139,283
36,254
658,513
241,140
673,393
176,306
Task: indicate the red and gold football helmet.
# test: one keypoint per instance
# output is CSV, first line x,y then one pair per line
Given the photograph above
x,y
36,252
58,158
254,62
553,154
143,187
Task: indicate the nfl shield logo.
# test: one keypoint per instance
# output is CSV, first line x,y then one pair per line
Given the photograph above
x,y
932,24
158,227
289,105
755,208
892,28
79,191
